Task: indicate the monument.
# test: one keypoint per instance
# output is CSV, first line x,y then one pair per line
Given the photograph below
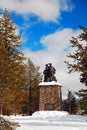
x,y
50,90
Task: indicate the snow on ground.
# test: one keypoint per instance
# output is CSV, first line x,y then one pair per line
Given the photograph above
x,y
50,113
50,120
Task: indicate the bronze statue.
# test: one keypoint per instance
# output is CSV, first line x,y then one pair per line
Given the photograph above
x,y
49,73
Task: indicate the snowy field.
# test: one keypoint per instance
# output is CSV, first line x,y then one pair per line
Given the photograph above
x,y
50,120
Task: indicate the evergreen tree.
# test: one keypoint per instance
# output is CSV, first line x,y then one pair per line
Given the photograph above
x,y
74,105
79,56
80,62
70,104
83,100
7,125
12,68
33,79
65,105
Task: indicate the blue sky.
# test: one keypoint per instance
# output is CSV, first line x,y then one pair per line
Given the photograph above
x,y
34,28
46,26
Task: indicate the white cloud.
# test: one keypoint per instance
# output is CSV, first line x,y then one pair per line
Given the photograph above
x,y
47,10
66,7
56,43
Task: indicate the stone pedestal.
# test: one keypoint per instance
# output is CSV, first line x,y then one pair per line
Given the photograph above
x,y
50,96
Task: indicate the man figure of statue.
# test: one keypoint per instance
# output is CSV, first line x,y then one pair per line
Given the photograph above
x,y
46,73
52,72
49,73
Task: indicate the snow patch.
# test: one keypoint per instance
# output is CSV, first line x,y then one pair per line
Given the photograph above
x,y
49,83
50,113
56,120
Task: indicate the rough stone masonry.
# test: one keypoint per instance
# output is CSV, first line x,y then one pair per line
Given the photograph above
x,y
50,92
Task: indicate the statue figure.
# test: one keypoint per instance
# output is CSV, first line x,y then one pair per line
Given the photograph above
x,y
49,73
46,73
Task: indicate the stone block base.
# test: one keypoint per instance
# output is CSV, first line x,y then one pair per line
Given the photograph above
x,y
50,97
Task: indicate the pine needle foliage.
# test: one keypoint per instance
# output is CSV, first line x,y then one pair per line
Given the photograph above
x,y
12,68
33,79
79,56
7,125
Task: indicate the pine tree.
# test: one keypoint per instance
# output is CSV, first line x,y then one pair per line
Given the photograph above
x,y
80,63
7,125
33,79
70,104
79,57
65,105
12,68
83,100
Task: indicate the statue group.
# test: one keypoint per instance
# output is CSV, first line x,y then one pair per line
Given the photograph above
x,y
49,73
